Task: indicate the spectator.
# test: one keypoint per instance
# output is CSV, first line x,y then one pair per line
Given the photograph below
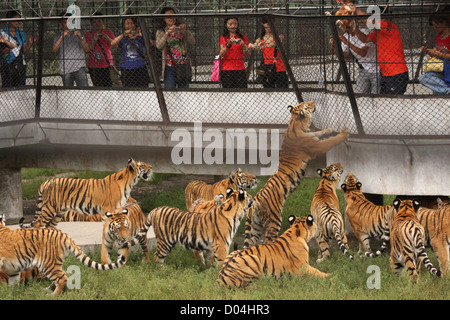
x,y
233,47
267,44
100,57
132,55
13,68
72,48
390,55
439,82
172,39
365,55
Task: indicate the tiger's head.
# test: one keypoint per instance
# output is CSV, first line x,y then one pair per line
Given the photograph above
x,y
237,201
442,203
3,219
243,180
202,205
118,225
351,183
332,172
302,227
141,169
303,113
406,208
346,25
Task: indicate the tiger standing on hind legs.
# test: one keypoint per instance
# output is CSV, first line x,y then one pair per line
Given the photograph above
x,y
299,146
325,210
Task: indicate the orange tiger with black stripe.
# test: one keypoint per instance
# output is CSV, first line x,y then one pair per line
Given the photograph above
x,y
436,223
325,210
87,196
368,220
299,146
121,226
44,248
198,189
289,253
211,232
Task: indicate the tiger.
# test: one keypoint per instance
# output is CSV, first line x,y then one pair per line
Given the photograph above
x,y
345,10
325,210
367,219
73,216
211,232
407,238
122,225
203,206
442,202
199,189
87,196
288,253
44,248
299,146
436,223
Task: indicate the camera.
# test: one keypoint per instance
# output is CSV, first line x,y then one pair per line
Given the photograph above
x,y
134,32
236,40
99,34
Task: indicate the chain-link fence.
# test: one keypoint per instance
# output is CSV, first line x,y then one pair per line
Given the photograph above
x,y
140,69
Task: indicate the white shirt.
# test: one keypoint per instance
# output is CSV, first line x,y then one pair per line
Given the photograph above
x,y
369,62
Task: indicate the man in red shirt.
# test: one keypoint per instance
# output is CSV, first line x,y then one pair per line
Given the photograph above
x,y
390,55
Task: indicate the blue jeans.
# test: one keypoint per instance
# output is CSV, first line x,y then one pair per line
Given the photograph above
x,y
79,77
170,79
435,81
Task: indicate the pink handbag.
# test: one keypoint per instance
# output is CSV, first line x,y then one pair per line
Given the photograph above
x,y
215,75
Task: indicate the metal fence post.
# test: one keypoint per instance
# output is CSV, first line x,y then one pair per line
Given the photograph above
x,y
37,110
285,60
152,69
346,76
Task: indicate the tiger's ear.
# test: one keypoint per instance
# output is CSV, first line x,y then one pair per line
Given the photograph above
x,y
108,214
396,203
229,192
319,172
416,204
241,195
309,220
291,219
358,185
125,211
131,164
344,187
290,108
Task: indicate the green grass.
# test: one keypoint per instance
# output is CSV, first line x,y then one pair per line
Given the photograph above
x,y
184,278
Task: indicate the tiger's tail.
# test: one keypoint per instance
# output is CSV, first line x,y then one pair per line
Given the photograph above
x,y
422,256
338,236
83,258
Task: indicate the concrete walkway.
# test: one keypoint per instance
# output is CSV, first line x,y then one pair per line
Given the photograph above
x,y
88,235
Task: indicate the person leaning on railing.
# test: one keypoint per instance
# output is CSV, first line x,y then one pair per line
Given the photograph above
x,y
13,46
390,55
439,82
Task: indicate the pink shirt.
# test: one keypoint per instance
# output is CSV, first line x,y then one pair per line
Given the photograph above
x,y
96,57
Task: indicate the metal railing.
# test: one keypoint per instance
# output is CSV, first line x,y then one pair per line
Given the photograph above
x,y
314,71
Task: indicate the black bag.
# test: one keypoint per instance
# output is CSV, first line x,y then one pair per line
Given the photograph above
x,y
266,72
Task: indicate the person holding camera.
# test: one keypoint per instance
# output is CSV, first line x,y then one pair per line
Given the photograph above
x,y
13,46
100,57
132,55
172,39
72,48
233,47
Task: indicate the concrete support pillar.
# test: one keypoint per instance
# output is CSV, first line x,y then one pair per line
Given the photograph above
x,y
11,193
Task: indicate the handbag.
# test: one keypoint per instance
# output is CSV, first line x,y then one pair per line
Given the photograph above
x,y
215,75
433,64
266,71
